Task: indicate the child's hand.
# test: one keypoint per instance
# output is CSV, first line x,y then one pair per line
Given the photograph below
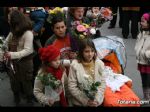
x,y
7,55
92,103
59,90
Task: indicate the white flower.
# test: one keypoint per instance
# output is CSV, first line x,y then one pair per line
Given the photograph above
x,y
86,76
92,31
1,38
65,9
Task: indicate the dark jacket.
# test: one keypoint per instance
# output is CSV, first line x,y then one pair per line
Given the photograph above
x,y
38,17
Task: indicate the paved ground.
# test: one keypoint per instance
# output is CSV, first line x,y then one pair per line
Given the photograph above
x,y
6,98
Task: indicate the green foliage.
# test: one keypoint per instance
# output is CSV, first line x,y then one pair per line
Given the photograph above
x,y
91,91
49,80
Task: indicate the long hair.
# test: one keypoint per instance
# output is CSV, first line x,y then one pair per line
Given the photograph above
x,y
82,45
19,23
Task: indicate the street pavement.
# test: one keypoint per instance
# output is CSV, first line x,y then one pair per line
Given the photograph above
x,y
6,96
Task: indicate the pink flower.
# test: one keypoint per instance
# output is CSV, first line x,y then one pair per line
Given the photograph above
x,y
81,28
77,22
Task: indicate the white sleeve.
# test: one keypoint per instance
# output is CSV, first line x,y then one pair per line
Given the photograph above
x,y
28,47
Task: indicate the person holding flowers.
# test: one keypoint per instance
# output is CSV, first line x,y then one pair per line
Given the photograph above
x,y
97,17
19,55
76,14
75,17
50,83
78,32
60,38
86,81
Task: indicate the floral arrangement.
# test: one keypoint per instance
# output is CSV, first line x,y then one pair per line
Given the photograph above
x,y
82,30
90,88
50,80
106,13
104,16
55,12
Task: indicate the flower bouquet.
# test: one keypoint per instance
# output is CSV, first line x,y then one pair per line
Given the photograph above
x,y
90,88
50,80
79,31
53,87
106,13
55,12
104,16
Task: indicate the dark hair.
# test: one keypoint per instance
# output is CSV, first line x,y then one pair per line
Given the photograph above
x,y
59,17
83,44
19,23
71,10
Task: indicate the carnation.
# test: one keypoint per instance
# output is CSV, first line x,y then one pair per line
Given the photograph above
x,y
92,31
81,28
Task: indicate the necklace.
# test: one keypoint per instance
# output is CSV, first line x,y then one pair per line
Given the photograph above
x,y
89,68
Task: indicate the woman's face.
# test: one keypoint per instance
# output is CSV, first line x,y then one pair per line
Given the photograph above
x,y
60,29
144,24
88,54
95,10
78,13
55,63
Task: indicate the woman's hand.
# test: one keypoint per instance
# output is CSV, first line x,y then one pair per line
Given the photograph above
x,y
7,55
59,90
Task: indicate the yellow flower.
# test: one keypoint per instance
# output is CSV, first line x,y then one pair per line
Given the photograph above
x,y
51,12
86,25
81,36
84,33
57,9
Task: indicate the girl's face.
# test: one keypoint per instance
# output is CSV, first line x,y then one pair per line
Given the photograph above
x,y
88,54
95,9
55,63
60,29
144,23
78,13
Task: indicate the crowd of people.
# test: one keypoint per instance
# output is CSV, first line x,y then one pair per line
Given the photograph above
x,y
51,58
